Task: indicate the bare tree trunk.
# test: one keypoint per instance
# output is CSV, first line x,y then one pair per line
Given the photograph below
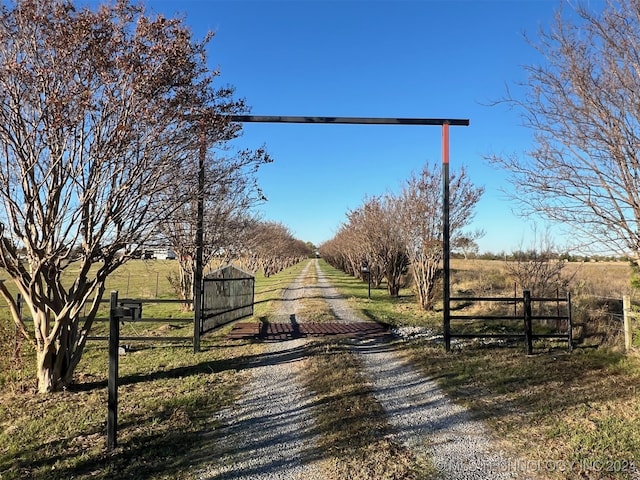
x,y
89,160
394,273
182,283
45,361
424,272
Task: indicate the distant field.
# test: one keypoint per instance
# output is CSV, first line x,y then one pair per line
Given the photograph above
x,y
566,415
550,406
597,290
594,278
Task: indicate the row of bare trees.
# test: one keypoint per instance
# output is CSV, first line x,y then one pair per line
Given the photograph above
x,y
583,172
229,194
239,238
396,235
270,247
104,114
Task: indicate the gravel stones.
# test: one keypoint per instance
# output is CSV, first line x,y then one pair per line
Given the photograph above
x,y
430,424
269,433
423,417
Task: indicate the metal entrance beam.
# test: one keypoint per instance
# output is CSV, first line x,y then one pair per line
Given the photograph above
x,y
444,122
352,120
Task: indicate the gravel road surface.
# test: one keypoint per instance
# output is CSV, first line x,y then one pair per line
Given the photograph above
x,y
269,433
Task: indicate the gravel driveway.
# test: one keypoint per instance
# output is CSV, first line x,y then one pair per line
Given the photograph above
x,y
269,434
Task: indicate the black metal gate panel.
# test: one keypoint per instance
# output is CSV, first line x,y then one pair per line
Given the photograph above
x,y
228,295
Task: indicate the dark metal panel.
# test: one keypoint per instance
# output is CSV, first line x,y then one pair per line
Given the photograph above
x,y
228,295
349,120
487,299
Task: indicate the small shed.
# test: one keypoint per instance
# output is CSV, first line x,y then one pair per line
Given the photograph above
x,y
228,295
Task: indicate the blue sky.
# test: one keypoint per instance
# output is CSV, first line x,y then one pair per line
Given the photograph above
x,y
374,58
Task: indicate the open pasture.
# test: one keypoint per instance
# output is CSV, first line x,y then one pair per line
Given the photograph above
x,y
577,407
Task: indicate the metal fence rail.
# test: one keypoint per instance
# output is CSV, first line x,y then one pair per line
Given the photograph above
x,y
138,303
526,318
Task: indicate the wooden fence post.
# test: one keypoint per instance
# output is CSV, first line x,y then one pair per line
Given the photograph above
x,y
628,332
569,323
528,328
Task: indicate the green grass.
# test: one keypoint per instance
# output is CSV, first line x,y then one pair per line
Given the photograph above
x,y
553,405
355,435
401,310
582,406
168,396
550,406
268,291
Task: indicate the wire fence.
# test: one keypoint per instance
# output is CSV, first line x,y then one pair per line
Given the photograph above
x,y
129,284
609,321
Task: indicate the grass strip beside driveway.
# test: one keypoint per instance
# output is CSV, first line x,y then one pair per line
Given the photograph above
x,y
355,437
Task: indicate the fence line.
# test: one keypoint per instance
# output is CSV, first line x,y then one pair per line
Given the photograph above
x,y
614,322
526,317
131,321
628,314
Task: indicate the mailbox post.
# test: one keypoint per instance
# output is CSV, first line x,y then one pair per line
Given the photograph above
x,y
112,383
365,269
132,310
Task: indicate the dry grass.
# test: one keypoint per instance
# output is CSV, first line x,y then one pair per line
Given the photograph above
x,y
167,398
315,310
355,437
596,290
603,279
479,278
354,434
553,406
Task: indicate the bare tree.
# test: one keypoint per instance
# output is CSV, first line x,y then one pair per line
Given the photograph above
x,y
376,231
468,245
397,234
582,103
271,247
419,208
94,119
230,192
345,252
539,267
